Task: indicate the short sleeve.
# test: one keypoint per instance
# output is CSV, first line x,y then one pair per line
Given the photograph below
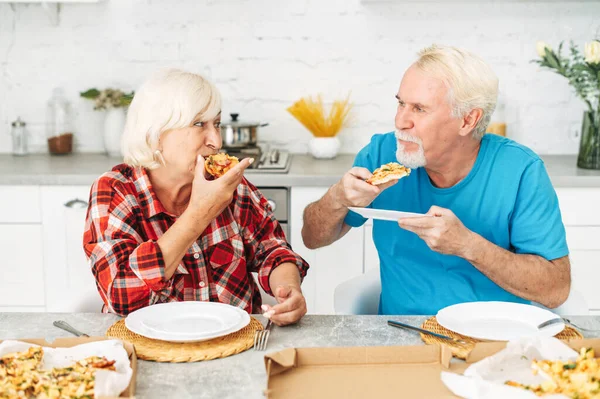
x,y
536,225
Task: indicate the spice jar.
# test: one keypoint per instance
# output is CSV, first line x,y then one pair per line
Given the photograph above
x,y
19,137
58,114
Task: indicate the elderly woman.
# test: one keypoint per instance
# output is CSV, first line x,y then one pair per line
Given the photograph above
x,y
157,230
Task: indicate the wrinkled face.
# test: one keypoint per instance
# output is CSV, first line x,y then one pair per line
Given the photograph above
x,y
181,147
425,127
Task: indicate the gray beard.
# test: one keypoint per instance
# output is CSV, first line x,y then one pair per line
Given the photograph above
x,y
413,159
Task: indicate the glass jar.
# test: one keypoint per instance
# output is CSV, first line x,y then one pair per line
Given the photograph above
x,y
19,137
58,124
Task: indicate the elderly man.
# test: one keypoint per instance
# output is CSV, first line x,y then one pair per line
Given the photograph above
x,y
493,229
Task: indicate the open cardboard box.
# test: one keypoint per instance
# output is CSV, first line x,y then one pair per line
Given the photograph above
x,y
371,372
69,342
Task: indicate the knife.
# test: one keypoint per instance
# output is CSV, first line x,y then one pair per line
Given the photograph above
x,y
409,327
67,327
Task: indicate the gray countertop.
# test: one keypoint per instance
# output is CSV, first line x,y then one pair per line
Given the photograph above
x,y
238,376
83,169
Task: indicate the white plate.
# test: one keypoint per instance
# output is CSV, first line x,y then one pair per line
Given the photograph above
x,y
385,214
497,321
189,321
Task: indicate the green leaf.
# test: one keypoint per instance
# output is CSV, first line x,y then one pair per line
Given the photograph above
x,y
126,99
551,59
91,93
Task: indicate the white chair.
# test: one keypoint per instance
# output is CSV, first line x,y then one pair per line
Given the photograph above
x,y
575,305
360,295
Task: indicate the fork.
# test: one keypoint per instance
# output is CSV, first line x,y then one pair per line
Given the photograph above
x,y
566,321
261,337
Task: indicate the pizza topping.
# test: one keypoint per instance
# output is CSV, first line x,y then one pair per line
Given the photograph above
x,y
388,172
574,379
22,376
217,165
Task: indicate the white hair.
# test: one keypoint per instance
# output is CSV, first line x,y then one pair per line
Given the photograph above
x,y
170,99
471,82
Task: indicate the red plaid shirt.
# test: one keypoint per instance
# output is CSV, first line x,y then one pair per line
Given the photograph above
x,y
125,219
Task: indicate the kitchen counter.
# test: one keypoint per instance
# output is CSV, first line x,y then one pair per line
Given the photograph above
x,y
83,169
238,376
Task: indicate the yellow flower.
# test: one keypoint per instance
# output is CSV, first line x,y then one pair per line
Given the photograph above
x,y
592,52
541,48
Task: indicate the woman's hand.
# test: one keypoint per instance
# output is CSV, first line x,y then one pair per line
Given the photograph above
x,y
291,306
213,196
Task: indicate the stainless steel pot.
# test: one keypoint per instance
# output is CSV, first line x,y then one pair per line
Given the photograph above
x,y
236,134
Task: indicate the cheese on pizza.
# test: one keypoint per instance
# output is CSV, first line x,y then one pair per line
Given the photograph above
x,y
217,165
388,172
578,378
21,376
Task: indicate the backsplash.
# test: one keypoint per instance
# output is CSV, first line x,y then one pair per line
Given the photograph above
x,y
265,54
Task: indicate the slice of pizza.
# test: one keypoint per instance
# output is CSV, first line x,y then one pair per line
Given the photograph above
x,y
217,165
388,172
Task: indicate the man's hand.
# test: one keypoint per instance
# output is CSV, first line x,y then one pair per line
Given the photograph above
x,y
352,190
290,308
441,230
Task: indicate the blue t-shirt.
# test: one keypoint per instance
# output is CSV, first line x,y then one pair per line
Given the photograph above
x,y
507,198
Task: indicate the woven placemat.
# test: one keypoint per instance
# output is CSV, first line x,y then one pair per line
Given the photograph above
x,y
461,351
173,352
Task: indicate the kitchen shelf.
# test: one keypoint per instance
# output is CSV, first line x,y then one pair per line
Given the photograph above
x,y
52,7
366,2
50,1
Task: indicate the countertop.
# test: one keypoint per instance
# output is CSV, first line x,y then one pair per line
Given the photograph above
x,y
242,375
83,169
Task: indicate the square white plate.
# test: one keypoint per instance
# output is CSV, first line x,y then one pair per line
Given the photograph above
x,y
385,214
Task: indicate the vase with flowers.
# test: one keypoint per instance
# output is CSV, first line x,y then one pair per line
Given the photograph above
x,y
583,73
114,102
311,114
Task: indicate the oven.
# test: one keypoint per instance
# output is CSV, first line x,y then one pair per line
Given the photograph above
x,y
279,200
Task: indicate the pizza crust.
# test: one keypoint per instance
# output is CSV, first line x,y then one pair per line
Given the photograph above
x,y
388,172
388,178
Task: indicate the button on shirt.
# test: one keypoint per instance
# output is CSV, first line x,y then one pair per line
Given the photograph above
x,y
125,219
507,198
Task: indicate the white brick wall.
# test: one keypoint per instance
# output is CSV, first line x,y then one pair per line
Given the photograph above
x,y
265,54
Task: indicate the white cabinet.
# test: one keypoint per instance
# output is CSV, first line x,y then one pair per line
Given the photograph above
x,y
579,209
21,268
22,281
70,285
329,266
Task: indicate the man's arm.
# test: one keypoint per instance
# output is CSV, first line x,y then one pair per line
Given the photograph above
x,y
530,277
324,219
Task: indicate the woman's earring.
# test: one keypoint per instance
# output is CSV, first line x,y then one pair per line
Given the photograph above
x,y
159,157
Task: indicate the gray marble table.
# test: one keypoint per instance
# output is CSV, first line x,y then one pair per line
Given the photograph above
x,y
242,375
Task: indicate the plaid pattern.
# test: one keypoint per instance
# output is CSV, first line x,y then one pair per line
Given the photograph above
x,y
125,219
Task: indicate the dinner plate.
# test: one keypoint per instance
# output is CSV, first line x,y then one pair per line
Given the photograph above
x,y
385,214
497,321
189,321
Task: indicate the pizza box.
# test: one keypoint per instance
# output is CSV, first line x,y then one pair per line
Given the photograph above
x,y
371,372
69,342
